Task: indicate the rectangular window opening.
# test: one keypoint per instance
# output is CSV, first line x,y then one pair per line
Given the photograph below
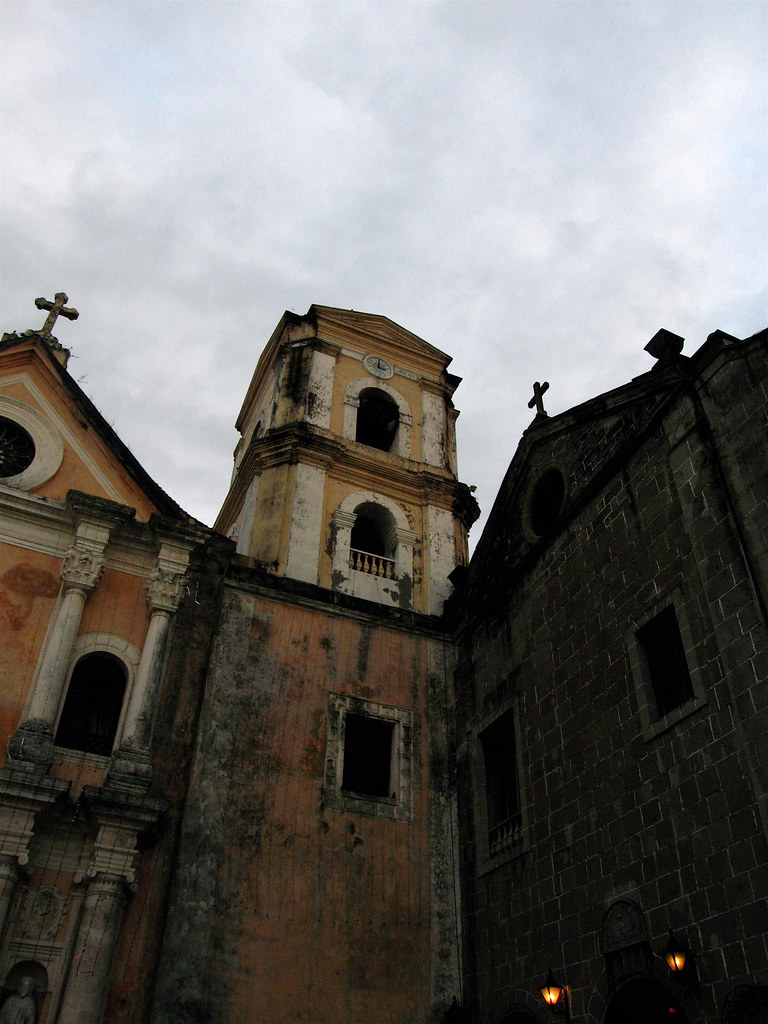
x,y
664,655
368,745
502,785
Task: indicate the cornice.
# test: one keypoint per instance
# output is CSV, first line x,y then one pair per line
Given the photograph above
x,y
357,464
47,527
242,576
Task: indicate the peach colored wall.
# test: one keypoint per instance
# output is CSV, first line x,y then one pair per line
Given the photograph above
x,y
325,913
118,606
29,585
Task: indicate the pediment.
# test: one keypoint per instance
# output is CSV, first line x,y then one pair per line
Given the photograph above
x,y
362,330
562,460
74,448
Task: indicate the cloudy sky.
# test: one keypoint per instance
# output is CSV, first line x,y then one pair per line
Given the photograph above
x,y
534,187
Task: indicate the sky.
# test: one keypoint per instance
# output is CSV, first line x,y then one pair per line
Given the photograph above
x,y
533,187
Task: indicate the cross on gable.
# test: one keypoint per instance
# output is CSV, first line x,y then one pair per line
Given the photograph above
x,y
57,309
538,397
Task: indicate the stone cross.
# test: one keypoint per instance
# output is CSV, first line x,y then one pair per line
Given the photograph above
x,y
538,397
57,309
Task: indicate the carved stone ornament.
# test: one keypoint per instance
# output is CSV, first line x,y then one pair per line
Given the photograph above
x,y
623,926
82,568
44,912
166,589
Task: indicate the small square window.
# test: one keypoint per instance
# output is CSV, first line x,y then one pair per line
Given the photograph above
x,y
368,763
502,787
668,682
367,755
664,656
500,821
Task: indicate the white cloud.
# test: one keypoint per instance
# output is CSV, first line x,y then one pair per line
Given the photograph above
x,y
535,188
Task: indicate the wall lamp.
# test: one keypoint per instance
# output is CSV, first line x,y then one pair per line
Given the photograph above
x,y
680,959
556,997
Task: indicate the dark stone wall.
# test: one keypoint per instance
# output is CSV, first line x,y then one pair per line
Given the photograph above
x,y
671,819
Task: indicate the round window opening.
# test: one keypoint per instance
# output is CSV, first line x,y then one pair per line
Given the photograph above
x,y
17,449
547,501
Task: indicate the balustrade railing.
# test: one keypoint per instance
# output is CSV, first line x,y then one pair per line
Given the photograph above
x,y
505,835
374,565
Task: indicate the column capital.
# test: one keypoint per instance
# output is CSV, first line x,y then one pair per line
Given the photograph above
x,y
166,590
82,568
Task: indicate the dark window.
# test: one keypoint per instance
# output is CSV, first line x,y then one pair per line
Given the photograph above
x,y
367,755
502,789
664,656
17,449
92,709
377,419
366,536
547,501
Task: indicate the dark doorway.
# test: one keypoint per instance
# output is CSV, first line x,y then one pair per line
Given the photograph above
x,y
643,1001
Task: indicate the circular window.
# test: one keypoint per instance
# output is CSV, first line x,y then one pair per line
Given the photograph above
x,y
31,449
547,501
17,449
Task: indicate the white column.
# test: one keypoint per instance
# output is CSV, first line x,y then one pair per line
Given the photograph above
x,y
81,570
131,766
88,979
52,675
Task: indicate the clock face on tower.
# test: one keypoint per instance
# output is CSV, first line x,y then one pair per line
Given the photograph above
x,y
377,366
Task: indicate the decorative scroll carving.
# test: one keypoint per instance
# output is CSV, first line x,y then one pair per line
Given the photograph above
x,y
166,590
82,568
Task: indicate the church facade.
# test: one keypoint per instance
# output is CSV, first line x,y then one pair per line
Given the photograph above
x,y
313,764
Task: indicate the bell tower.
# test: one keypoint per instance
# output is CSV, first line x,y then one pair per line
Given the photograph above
x,y
345,473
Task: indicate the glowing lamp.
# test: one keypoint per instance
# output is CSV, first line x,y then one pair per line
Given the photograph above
x,y
550,990
555,996
675,953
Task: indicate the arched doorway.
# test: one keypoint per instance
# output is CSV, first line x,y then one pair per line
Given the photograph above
x,y
643,1001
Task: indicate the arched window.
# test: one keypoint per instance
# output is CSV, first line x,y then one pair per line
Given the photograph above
x,y
91,711
378,417
373,544
546,502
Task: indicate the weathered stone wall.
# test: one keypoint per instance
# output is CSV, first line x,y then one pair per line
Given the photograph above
x,y
135,960
287,903
672,820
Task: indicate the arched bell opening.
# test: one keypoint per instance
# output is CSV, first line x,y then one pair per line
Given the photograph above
x,y
378,418
373,542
